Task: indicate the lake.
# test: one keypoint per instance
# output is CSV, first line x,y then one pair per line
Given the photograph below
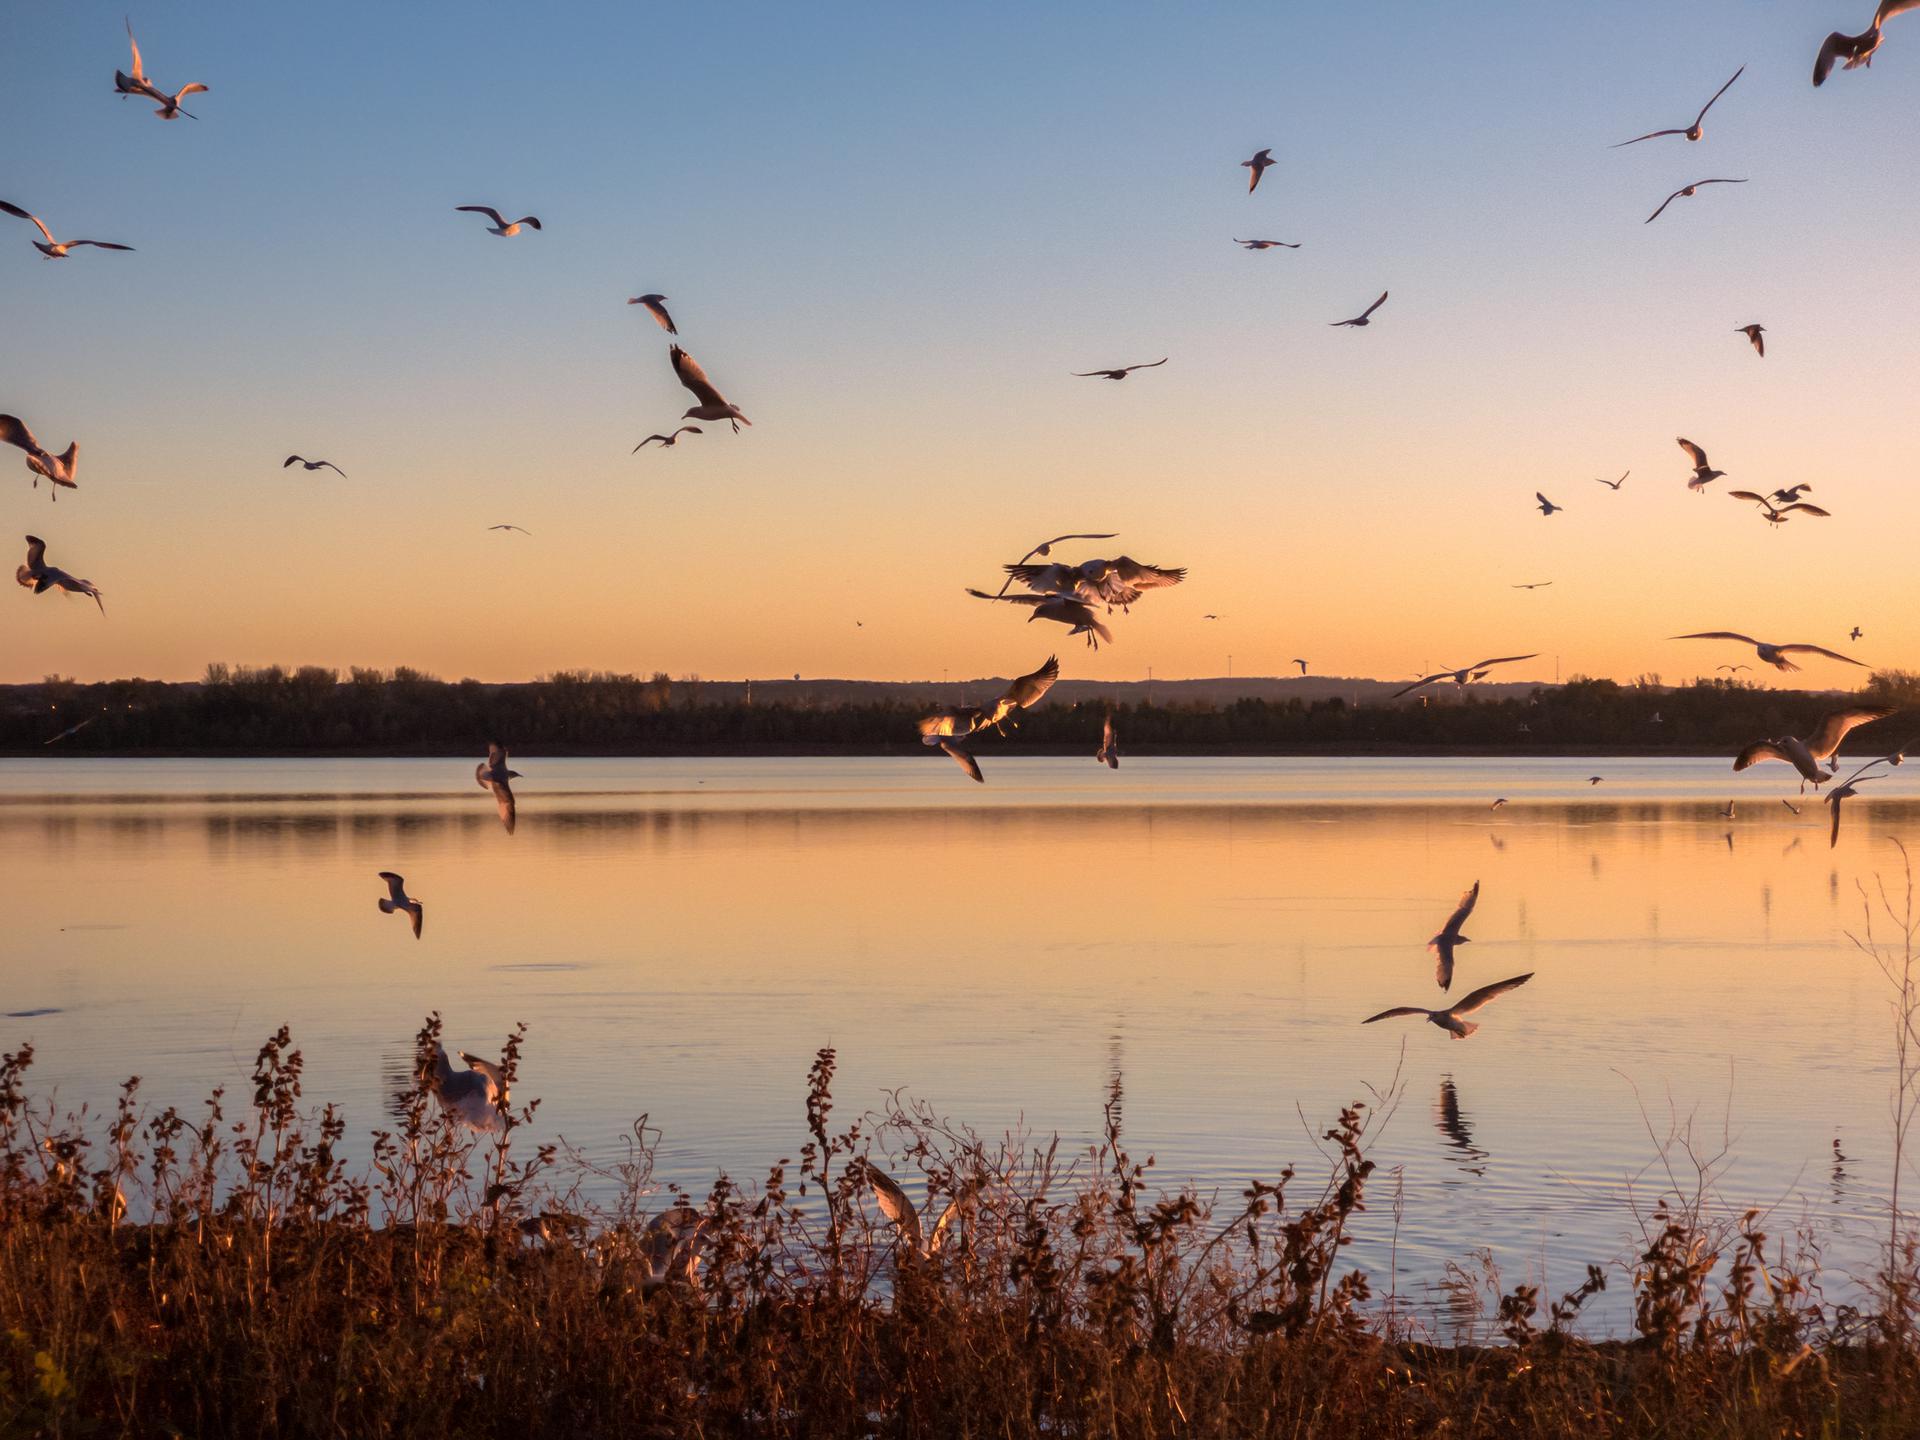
x,y
682,935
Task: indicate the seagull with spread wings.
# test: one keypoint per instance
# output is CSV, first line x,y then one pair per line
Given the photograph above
x,y
51,248
59,470
527,533
1778,514
501,226
1119,374
313,465
1535,585
1109,751
398,901
1756,336
1266,244
493,775
1449,1019
669,441
916,1237
1857,50
138,84
1362,318
1120,581
1807,753
1258,165
1684,192
1846,790
1703,472
1774,655
1442,945
1693,131
713,405
1614,484
1301,663
1024,692
656,307
1465,675
40,577
1068,610
1547,507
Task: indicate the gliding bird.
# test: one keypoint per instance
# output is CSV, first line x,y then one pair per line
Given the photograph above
x,y
40,577
56,249
1693,131
1613,484
1857,50
138,84
1361,318
713,405
670,441
1066,610
656,307
1266,244
1449,1019
59,469
1464,675
1547,507
492,774
501,225
313,465
1442,945
1807,753
1119,374
399,901
1774,655
1687,190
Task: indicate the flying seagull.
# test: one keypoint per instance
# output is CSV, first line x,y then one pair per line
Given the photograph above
x,y
1614,484
1857,50
473,1095
1733,669
1211,617
1845,789
1120,581
1301,663
1595,779
501,225
1778,514
493,774
1537,584
1449,1020
1684,191
1755,335
1067,610
657,307
1807,753
313,465
1258,165
1693,131
1855,633
670,440
1266,244
1120,374
1361,318
1464,675
1774,655
1702,471
56,249
950,720
398,901
1547,507
59,469
1495,806
138,84
1792,492
1045,548
1727,812
1024,692
40,577
1442,945
713,405
1109,751
527,533
71,730
919,1239
963,756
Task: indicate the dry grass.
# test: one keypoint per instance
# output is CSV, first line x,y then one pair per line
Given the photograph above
x,y
225,1274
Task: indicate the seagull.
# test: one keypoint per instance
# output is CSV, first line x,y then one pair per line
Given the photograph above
x,y
1791,806
1614,484
473,1095
1361,318
138,84
1495,806
670,1246
963,756
71,730
501,225
1792,492
313,465
1537,584
1686,190
1045,548
59,469
1595,779
1211,617
1855,633
1462,676
1846,790
493,774
1109,751
951,720
920,1240
1774,655
1702,471
1024,692
1754,334
1443,944
1449,1020
1266,244
713,405
1067,610
1301,663
1258,165
1805,754
1778,514
527,533
657,307
40,577
397,889
1120,581
1693,131
56,249
1857,50
1547,507
1733,669
670,440
1120,374
1727,812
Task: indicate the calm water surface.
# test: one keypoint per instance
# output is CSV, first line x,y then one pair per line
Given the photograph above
x,y
682,935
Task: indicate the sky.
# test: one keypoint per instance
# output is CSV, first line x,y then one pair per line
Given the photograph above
x,y
889,233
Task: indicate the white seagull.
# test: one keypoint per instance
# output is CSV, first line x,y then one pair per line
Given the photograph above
x,y
1068,610
501,225
1120,581
1774,655
1857,50
1024,692
1465,675
1702,470
492,774
138,84
59,469
1109,751
399,901
1449,1020
713,405
1442,945
474,1095
1806,754
1693,131
40,577
56,249
919,1238
657,307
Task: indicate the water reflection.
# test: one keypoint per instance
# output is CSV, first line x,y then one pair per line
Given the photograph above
x,y
1453,1126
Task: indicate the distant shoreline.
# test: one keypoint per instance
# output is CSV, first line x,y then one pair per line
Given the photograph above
x,y
1011,749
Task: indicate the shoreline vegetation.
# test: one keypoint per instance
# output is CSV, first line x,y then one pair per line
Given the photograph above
x,y
315,711
228,1273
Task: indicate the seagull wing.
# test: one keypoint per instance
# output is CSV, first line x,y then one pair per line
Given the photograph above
x,y
1011,599
36,553
15,432
1374,306
1836,725
134,45
964,758
1396,1011
1822,650
1805,508
1146,577
335,468
1721,91
1720,635
1698,455
1487,994
533,220
1502,660
1468,899
486,210
1650,135
1150,364
1760,750
894,1204
1408,690
38,223
1663,205
694,378
196,88
396,886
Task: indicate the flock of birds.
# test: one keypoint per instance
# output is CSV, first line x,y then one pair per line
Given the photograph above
x,y
1081,596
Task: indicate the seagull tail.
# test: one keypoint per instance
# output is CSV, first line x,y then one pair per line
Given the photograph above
x,y
1467,1027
